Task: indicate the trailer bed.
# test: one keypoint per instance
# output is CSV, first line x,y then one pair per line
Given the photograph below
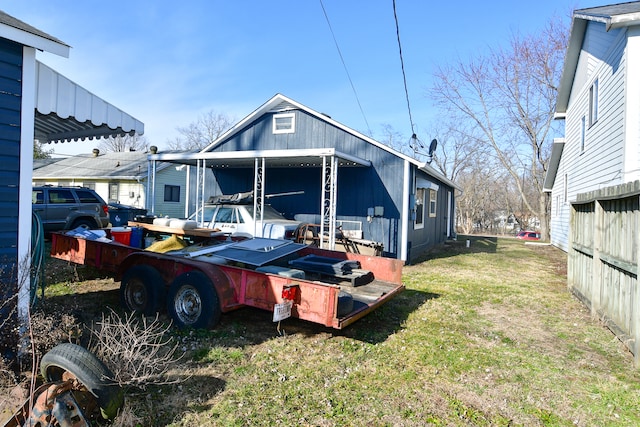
x,y
259,273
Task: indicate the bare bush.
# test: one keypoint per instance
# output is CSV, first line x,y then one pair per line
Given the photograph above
x,y
139,352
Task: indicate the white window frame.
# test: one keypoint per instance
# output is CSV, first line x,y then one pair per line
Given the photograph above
x,y
289,129
419,208
583,130
593,103
433,202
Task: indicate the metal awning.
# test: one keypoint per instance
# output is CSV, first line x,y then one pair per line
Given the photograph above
x,y
66,111
311,157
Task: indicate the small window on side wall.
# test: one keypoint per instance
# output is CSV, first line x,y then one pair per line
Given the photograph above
x,y
593,103
419,222
284,123
171,193
433,196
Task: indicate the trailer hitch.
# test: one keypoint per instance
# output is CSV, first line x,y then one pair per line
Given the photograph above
x,y
55,405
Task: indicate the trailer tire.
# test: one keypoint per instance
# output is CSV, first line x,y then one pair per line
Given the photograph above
x,y
67,361
142,290
192,301
345,303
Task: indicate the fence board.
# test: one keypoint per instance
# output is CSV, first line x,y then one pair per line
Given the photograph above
x,y
603,260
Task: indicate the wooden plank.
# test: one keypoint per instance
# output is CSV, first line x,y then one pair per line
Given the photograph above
x,y
196,232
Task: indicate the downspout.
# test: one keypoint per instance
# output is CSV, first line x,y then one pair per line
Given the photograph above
x,y
406,192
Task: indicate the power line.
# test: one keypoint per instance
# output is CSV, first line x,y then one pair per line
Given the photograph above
x,y
345,67
404,76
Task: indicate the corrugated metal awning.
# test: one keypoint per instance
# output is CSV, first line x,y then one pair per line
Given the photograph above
x,y
66,111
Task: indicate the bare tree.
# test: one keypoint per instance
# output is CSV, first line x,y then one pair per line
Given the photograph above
x,y
124,143
199,134
509,97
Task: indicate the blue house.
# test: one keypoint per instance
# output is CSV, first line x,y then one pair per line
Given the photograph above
x,y
36,103
342,177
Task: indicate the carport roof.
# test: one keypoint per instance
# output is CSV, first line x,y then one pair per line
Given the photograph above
x,y
311,157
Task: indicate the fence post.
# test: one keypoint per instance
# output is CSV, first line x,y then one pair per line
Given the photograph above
x,y
596,277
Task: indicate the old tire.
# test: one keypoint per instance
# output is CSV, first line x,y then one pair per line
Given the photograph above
x,y
192,301
66,361
142,290
345,303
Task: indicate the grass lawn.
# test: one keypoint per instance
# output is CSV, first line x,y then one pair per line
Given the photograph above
x,y
486,335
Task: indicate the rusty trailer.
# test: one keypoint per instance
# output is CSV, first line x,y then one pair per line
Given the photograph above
x,y
200,282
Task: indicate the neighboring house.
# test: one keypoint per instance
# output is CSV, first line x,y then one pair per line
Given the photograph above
x,y
284,146
36,103
120,177
599,100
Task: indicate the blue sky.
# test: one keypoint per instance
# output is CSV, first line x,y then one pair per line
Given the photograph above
x,y
167,62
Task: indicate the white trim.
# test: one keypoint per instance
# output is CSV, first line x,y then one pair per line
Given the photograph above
x,y
632,107
27,120
420,225
404,233
31,40
291,129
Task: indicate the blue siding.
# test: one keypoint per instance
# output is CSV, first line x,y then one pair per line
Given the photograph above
x,y
359,188
10,101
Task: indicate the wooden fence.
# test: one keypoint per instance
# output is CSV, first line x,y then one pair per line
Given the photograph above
x,y
603,258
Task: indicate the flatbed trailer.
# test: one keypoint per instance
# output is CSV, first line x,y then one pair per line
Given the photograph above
x,y
196,285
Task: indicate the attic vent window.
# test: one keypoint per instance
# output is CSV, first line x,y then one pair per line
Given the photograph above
x,y
284,123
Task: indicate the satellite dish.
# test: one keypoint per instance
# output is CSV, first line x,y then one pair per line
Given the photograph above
x,y
432,146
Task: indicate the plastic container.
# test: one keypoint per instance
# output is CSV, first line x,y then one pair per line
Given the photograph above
x,y
120,215
136,237
121,235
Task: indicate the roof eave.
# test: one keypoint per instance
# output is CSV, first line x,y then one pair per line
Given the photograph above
x,y
33,40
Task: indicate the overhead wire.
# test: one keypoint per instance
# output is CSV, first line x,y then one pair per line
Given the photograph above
x,y
404,75
353,88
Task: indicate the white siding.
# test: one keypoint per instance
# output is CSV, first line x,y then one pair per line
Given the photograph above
x,y
601,162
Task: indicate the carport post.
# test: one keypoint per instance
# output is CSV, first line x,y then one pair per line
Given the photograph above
x,y
258,194
328,202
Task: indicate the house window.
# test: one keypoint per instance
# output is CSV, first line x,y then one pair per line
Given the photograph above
x,y
114,192
433,194
565,189
582,133
284,123
419,222
171,193
89,184
593,103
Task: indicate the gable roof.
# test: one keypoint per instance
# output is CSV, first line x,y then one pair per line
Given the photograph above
x,y
280,103
126,165
612,16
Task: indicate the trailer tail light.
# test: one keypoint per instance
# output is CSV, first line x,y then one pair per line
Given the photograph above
x,y
290,292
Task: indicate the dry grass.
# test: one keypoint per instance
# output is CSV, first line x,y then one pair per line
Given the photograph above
x,y
486,335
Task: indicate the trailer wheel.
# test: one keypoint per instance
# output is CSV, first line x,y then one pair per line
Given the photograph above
x,y
142,290
70,361
193,302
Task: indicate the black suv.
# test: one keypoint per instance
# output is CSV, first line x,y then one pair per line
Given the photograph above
x,y
66,208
